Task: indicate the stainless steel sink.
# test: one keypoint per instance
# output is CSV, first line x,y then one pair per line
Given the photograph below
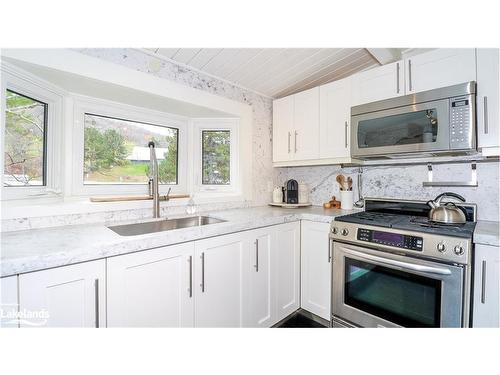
x,y
163,225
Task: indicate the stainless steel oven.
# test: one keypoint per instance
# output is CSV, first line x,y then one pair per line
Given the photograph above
x,y
435,122
371,288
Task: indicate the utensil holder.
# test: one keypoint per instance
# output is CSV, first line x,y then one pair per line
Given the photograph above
x,y
346,199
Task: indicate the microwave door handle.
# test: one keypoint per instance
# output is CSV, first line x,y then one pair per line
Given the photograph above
x,y
404,265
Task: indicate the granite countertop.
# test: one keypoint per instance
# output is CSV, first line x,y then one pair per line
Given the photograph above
x,y
38,249
487,233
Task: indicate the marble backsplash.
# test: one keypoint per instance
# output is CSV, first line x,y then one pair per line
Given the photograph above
x,y
404,182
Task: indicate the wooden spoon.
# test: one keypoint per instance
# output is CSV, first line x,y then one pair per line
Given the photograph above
x,y
349,183
341,181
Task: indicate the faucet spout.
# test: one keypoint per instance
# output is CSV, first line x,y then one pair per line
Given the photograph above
x,y
153,180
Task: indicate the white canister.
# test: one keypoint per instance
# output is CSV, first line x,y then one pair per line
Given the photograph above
x,y
277,195
346,199
303,193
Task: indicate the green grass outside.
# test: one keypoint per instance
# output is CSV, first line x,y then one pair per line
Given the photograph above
x,y
128,173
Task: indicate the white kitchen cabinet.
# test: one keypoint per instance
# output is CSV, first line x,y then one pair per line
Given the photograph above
x,y
152,288
306,125
69,296
440,68
287,268
334,119
315,268
259,296
8,302
218,281
380,83
283,127
486,295
488,101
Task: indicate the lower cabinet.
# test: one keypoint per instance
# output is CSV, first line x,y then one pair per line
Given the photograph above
x,y
152,288
70,296
315,268
286,269
8,302
486,287
259,294
218,281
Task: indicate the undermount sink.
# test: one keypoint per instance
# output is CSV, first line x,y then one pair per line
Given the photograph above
x,y
163,225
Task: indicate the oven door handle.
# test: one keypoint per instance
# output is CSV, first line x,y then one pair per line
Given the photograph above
x,y
397,263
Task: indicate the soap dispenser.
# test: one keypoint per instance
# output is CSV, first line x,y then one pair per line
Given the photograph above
x,y
191,206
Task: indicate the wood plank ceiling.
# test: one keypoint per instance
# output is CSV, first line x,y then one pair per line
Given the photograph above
x,y
273,72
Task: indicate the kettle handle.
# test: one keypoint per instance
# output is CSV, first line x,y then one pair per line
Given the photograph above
x,y
448,194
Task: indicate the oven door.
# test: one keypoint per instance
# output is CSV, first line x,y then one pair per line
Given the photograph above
x,y
413,128
377,289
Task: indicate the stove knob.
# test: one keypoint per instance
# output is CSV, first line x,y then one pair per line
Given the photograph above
x,y
335,230
441,248
458,250
345,232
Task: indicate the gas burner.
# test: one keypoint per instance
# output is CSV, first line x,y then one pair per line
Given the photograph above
x,y
425,222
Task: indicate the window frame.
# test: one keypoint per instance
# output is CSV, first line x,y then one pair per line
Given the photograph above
x,y
99,107
25,84
211,124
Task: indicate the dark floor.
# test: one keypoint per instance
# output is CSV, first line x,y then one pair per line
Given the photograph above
x,y
300,321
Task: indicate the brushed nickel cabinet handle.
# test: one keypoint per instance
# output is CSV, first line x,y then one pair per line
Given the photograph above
x,y
256,255
295,143
483,282
409,75
485,115
202,272
96,302
345,131
397,78
289,136
190,260
329,250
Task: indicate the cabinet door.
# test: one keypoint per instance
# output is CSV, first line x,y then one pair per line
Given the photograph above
x,y
8,302
440,68
486,295
380,83
488,98
283,128
259,296
69,296
335,116
286,267
151,288
315,268
219,281
306,125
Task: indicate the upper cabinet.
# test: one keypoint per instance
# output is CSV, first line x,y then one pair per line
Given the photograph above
x,y
306,125
380,83
296,127
488,101
335,119
283,128
440,68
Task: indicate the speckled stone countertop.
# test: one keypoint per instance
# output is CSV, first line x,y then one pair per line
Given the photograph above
x,y
487,233
38,249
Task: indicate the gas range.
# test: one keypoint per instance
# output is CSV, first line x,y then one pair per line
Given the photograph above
x,y
403,226
392,267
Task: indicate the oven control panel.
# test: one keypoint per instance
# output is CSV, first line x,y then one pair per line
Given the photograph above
x,y
391,239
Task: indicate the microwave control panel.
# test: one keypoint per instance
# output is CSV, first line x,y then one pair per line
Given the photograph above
x,y
461,122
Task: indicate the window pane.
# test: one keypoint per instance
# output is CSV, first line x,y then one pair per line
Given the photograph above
x,y
116,151
216,158
24,156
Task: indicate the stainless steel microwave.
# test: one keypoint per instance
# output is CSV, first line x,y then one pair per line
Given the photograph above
x,y
430,123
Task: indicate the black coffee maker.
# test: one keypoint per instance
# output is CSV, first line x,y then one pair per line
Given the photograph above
x,y
292,192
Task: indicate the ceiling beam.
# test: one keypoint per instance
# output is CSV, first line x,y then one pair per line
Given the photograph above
x,y
385,55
